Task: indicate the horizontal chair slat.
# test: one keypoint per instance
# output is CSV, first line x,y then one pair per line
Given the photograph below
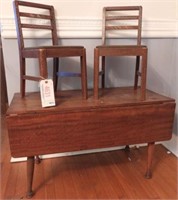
x,y
36,26
32,15
121,27
122,8
34,5
32,78
122,18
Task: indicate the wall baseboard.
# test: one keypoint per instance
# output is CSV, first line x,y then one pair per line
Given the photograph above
x,y
172,144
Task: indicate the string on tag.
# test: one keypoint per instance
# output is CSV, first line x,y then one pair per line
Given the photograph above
x,y
42,78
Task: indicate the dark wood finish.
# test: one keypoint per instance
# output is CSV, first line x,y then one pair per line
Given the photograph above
x,y
84,121
139,51
37,159
30,172
43,52
76,124
151,147
106,175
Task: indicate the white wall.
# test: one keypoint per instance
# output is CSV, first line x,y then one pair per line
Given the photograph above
x,y
80,23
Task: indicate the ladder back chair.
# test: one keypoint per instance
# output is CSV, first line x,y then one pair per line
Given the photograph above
x,y
122,18
39,17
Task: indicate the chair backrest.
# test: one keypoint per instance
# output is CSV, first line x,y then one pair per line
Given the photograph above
x,y
122,18
30,15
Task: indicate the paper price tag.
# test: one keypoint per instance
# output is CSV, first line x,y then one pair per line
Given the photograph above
x,y
47,93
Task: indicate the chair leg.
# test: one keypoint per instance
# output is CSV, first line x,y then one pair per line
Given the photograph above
x,y
22,80
143,75
96,73
55,70
84,75
137,72
103,72
43,64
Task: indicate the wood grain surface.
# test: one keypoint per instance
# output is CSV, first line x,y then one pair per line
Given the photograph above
x,y
118,118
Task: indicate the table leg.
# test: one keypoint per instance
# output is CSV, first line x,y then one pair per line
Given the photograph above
x,y
151,147
37,159
127,151
30,172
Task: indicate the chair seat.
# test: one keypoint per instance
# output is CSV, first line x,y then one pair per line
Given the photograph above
x,y
53,47
121,50
53,51
121,46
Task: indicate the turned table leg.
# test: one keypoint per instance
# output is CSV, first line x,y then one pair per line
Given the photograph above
x,y
128,153
37,159
151,147
30,171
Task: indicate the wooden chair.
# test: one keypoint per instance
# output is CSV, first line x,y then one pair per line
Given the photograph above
x,y
40,16
117,19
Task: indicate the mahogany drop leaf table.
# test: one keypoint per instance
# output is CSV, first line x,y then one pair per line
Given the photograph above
x,y
117,118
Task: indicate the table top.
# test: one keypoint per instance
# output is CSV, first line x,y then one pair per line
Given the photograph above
x,y
71,101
